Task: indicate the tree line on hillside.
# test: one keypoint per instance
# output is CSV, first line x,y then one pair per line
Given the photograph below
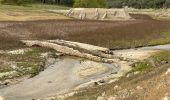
x,y
140,4
99,3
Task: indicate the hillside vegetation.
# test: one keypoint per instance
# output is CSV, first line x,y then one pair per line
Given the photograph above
x,y
141,4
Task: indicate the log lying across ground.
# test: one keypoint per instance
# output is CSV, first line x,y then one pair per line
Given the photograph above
x,y
81,50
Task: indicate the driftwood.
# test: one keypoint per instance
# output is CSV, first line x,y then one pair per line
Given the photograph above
x,y
65,49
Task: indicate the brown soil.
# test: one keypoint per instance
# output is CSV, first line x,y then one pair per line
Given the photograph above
x,y
111,34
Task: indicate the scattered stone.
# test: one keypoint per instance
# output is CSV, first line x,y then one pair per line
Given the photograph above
x,y
59,54
8,74
112,98
166,97
102,81
49,81
164,62
50,98
139,88
14,67
168,71
104,93
129,75
19,51
135,73
6,82
71,94
101,98
116,87
44,55
96,83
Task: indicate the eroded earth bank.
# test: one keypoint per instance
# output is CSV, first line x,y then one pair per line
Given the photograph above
x,y
72,69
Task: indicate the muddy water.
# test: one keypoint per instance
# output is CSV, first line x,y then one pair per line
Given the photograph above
x,y
56,79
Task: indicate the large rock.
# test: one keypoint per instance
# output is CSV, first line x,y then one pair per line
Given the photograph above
x,y
2,98
99,14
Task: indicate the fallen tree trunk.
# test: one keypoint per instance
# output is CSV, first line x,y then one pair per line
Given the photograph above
x,y
68,51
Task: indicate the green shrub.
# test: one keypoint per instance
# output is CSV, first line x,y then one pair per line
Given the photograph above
x,y
16,2
167,4
141,66
90,3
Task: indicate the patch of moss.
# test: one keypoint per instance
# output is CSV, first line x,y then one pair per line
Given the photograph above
x,y
161,57
141,66
26,68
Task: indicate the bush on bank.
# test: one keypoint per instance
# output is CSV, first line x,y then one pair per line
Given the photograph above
x,y
90,3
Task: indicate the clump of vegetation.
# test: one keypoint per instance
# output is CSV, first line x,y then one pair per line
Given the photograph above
x,y
26,68
30,63
141,66
156,60
17,2
161,58
90,3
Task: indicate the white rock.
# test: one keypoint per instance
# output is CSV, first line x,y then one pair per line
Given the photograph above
x,y
136,72
19,51
168,71
166,98
2,98
112,98
104,93
14,67
71,94
100,98
129,75
139,87
50,98
116,87
43,55
9,74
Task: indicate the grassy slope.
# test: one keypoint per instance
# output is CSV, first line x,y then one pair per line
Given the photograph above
x,y
30,12
150,77
31,7
29,63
